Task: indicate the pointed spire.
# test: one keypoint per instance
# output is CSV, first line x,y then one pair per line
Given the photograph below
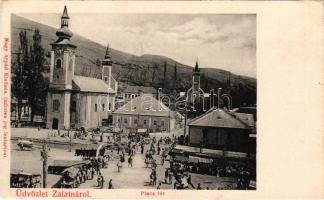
x,y
65,14
107,61
107,56
196,69
64,32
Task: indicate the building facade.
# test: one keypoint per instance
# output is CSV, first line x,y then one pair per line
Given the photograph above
x,y
76,101
144,112
129,92
223,130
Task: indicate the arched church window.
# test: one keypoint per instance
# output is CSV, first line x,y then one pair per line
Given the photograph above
x,y
58,63
56,105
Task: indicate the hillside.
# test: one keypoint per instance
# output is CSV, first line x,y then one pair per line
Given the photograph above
x,y
139,70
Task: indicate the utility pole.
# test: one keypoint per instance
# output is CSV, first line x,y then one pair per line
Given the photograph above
x,y
70,135
44,154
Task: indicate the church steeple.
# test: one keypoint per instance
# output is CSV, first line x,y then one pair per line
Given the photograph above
x,y
64,32
196,78
107,60
106,67
196,69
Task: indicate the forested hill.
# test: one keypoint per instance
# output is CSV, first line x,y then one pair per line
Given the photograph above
x,y
147,70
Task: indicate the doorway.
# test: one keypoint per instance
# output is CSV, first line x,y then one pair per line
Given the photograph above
x,y
55,123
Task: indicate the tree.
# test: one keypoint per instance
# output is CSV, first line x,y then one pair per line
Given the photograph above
x,y
164,73
175,74
18,86
36,84
154,70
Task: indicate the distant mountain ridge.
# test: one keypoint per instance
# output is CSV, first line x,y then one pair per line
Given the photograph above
x,y
146,70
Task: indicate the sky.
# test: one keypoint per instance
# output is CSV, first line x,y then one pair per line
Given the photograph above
x,y
224,41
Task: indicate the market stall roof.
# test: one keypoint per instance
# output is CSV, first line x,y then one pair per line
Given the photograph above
x,y
20,172
69,163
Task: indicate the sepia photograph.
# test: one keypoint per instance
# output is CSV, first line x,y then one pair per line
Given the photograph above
x,y
133,101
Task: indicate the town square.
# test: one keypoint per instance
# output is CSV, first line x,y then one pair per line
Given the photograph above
x,y
133,125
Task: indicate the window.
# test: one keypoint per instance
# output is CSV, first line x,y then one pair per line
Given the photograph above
x,y
125,121
58,63
162,123
154,122
56,105
144,122
103,107
135,121
106,79
96,107
109,106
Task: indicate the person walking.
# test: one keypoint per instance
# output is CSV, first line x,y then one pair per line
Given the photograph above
x,y
166,176
159,186
199,187
170,178
99,180
110,186
130,161
189,181
119,165
154,177
102,182
142,148
158,150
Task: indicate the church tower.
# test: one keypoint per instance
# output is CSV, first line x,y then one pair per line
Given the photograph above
x,y
106,68
196,79
62,56
61,76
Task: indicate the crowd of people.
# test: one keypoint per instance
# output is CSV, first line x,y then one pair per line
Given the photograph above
x,y
241,171
157,152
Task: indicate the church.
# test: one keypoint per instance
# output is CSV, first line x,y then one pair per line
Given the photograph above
x,y
195,93
77,101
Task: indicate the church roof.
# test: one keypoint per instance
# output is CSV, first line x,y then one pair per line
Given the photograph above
x,y
88,84
145,104
219,118
138,89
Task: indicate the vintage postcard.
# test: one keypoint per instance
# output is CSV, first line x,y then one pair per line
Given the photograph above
x,y
197,100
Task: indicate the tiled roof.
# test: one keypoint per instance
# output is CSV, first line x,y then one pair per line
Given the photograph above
x,y
224,119
88,84
145,105
138,89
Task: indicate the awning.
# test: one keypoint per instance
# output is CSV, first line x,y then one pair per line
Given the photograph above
x,y
205,160
193,159
142,130
177,151
181,159
69,163
232,154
